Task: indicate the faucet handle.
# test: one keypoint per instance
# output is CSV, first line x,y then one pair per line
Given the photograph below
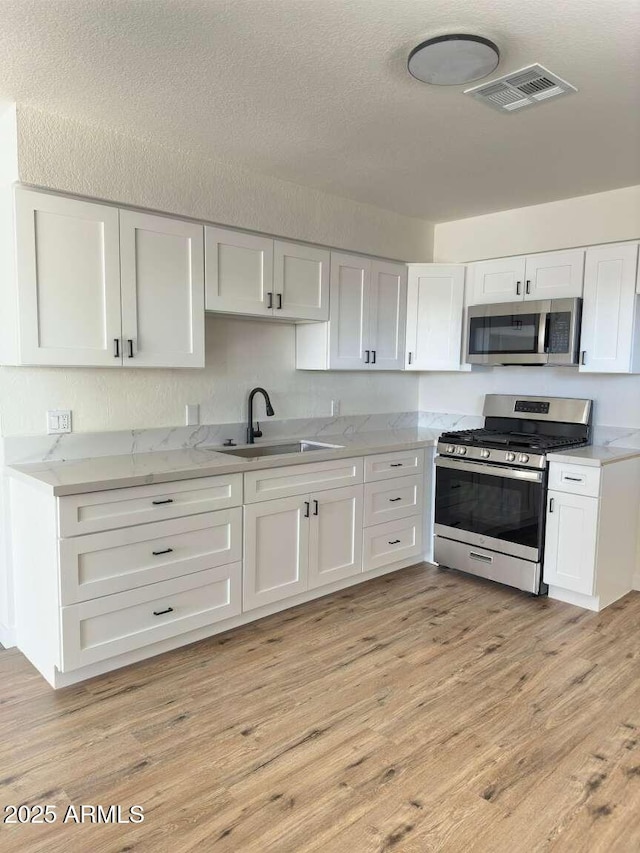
x,y
257,433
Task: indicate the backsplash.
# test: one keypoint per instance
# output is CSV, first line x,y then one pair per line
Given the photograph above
x,y
58,448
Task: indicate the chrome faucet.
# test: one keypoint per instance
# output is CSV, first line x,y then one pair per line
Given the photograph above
x,y
252,433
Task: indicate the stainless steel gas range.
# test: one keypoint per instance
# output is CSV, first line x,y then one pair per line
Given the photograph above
x,y
491,486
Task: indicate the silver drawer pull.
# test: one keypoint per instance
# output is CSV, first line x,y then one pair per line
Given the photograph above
x,y
394,541
162,612
165,501
166,551
396,465
574,479
393,500
484,558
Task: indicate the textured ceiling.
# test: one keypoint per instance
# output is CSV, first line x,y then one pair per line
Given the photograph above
x,y
317,92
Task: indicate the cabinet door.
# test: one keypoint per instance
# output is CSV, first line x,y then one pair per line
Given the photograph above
x,y
335,535
69,280
276,550
609,309
300,281
349,311
500,280
570,546
554,275
435,306
387,316
238,272
162,273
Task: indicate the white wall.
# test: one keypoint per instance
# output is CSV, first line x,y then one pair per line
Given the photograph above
x,y
617,398
62,154
600,218
239,355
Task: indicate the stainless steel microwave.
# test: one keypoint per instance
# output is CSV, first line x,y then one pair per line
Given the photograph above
x,y
544,331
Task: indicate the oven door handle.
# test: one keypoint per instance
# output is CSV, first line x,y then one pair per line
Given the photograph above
x,y
490,470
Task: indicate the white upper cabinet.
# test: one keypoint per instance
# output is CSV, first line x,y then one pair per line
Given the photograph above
x,y
162,276
499,280
610,310
349,311
554,275
68,279
551,275
367,316
239,272
387,316
435,308
300,281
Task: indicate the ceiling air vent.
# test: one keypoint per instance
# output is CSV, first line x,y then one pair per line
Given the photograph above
x,y
524,88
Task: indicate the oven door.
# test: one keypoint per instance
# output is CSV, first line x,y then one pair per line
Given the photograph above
x,y
507,333
491,506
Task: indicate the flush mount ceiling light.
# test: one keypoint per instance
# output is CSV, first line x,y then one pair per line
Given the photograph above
x,y
453,59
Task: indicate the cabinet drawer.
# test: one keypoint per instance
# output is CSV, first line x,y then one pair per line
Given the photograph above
x,y
386,466
389,543
575,479
96,511
293,480
105,627
106,563
391,499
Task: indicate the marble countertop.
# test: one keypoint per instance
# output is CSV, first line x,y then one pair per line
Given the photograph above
x,y
595,455
141,469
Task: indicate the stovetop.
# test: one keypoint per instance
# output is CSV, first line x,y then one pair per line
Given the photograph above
x,y
513,440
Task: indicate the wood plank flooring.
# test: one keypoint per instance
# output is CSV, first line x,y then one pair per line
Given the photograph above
x,y
424,711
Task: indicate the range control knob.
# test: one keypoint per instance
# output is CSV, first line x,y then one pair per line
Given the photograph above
x,y
523,457
450,448
485,453
461,451
510,457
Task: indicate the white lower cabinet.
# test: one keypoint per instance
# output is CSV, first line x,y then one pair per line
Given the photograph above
x,y
570,552
114,624
300,543
591,540
119,575
335,536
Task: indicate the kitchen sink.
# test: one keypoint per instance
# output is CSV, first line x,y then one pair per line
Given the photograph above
x,y
257,450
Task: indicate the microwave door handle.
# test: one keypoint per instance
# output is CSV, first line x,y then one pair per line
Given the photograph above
x,y
547,331
542,335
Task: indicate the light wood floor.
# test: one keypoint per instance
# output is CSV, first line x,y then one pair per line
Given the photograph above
x,y
424,711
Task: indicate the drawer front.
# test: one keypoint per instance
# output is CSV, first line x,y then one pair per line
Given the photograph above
x,y
105,627
108,510
575,479
388,500
385,544
386,466
105,563
301,479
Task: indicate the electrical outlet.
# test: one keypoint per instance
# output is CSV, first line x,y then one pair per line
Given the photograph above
x,y
335,407
192,414
58,421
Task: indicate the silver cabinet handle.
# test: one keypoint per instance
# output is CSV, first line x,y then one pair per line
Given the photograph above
x,y
483,558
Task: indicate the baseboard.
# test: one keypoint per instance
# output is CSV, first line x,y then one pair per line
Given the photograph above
x,y
7,637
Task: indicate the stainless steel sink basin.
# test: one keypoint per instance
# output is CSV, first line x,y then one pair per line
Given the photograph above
x,y
257,450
